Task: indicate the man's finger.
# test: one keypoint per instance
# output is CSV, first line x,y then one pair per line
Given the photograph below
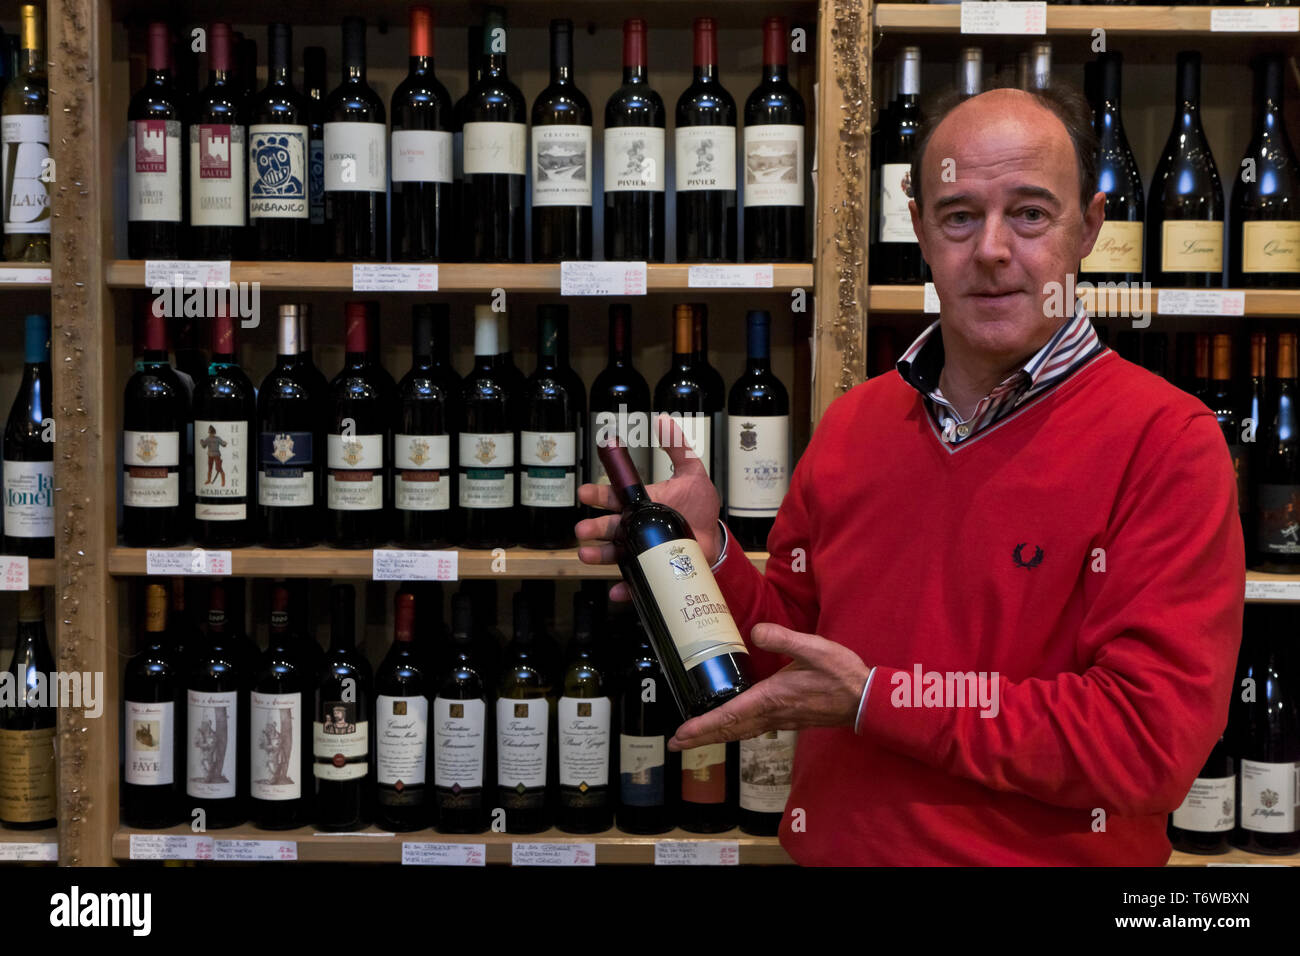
x,y
597,554
673,441
738,719
598,496
781,640
596,529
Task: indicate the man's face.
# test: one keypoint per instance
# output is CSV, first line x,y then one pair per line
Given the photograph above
x,y
1004,225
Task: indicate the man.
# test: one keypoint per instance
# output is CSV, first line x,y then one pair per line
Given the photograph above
x,y
1008,581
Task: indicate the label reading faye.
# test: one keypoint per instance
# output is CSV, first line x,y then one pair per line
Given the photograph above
x,y
28,488
150,480
1118,249
690,602
582,737
150,755
220,470
1207,808
758,453
1192,245
561,165
459,728
218,190
547,477
1270,246
773,165
634,159
212,748
1270,795
277,172
421,481
356,465
401,739
275,729
706,158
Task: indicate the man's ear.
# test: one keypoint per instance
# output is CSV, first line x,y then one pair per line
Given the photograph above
x,y
916,227
1093,217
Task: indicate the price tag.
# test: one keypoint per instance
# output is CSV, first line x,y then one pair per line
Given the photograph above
x,y
14,572
1200,302
254,851
444,854
931,298
10,275
390,564
25,852
170,273
1272,590
697,853
730,277
355,833
1015,17
602,278
1273,20
158,846
193,561
553,854
389,277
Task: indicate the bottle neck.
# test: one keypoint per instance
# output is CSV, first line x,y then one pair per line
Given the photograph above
x,y
420,65
635,74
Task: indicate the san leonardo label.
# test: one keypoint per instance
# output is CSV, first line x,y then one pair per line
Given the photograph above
x,y
698,620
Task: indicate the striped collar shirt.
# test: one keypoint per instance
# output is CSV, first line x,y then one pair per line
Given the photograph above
x,y
1069,349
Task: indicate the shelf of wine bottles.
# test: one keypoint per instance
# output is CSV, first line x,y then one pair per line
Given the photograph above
x,y
1284,303
1081,19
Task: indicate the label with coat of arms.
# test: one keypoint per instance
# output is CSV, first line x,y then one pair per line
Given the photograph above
x,y
421,481
151,460
153,149
758,456
1209,806
486,468
218,174
547,479
356,472
1270,796
286,476
690,601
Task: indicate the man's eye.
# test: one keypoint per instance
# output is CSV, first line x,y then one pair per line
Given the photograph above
x,y
959,218
1034,214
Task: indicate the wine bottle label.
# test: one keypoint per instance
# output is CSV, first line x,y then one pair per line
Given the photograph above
x,y
704,774
706,158
218,187
1191,245
1118,249
495,148
149,732
213,722
340,742
522,727
634,159
547,479
698,430
275,736
148,458
773,165
153,148
286,478
641,770
29,499
401,740
1270,796
277,172
421,156
688,597
561,165
421,481
1209,806
356,472
895,219
459,739
758,456
24,173
582,737
1276,507
766,763
316,181
486,464
1270,246
220,470
356,157
27,793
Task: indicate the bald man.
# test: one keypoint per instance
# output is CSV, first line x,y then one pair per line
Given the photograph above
x,y
1004,598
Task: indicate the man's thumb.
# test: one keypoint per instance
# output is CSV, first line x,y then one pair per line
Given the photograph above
x,y
672,439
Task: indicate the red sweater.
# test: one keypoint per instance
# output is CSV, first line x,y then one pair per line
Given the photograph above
x,y
1113,685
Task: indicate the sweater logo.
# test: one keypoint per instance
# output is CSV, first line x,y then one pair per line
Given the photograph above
x,y
1033,562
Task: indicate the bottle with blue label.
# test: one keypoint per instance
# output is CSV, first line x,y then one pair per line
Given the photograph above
x,y
28,471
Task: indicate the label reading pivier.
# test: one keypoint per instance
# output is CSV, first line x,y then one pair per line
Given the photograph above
x,y
690,602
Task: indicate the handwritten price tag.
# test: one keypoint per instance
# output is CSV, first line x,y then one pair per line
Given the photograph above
x,y
730,277
1200,302
553,854
10,275
40,852
390,564
1015,17
1255,21
697,853
387,277
171,273
931,298
602,278
444,854
193,561
254,851
1273,590
15,574
158,846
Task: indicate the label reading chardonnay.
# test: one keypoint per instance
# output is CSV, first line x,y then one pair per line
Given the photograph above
x,y
459,729
766,763
275,729
704,774
1118,249
641,770
1270,795
690,601
522,727
212,750
1192,245
27,793
150,756
1270,246
1208,806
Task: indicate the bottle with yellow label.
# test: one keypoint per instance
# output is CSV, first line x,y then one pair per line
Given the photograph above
x,y
27,793
25,147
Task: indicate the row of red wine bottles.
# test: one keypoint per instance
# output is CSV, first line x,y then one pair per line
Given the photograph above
x,y
488,460
28,798
1188,235
25,173
283,174
450,730
28,452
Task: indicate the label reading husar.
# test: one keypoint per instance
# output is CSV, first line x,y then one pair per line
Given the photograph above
x,y
29,499
690,601
766,763
220,470
150,481
773,165
459,738
276,730
641,770
758,450
1208,806
1270,796
150,755
421,461
401,740
287,478
213,723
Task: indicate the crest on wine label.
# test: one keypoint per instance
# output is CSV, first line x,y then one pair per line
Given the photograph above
x,y
283,446
352,452
146,447
1268,798
521,710
748,437
546,448
681,563
418,452
214,151
457,711
487,450
151,146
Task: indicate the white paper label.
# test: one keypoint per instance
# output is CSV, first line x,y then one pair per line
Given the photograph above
x,y
1254,20
394,277
561,165
278,172
895,219
1004,17
697,853
706,158
1272,590
522,727
157,846
185,273
546,479
21,275
151,449
773,165
220,470
765,766
602,278
758,472
553,854
150,752
495,148
275,732
218,177
14,572
147,457
187,561
1209,807
29,852
153,158
401,739
730,277
634,159
356,477
29,499
355,157
254,851
212,728
392,564
459,739
444,854
421,156
698,432
1200,302
421,482
340,742
1270,795
486,476
582,737
24,174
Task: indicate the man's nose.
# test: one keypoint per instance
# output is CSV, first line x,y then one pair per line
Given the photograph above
x,y
994,245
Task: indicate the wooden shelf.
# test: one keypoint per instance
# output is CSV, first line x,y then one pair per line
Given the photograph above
x,y
946,18
1259,302
374,846
453,276
1232,856
41,572
14,276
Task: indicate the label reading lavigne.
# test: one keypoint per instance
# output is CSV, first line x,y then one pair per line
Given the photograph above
x,y
690,602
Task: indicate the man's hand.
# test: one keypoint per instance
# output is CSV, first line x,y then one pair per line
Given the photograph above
x,y
821,687
689,492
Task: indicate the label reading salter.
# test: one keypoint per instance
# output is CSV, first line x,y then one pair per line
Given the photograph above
x,y
690,602
217,175
150,755
275,728
153,151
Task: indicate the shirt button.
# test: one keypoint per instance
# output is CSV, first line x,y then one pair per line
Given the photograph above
x,y
963,430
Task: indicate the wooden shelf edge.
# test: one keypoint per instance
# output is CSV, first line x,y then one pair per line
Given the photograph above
x,y
1175,20
42,572
1232,856
1259,302
26,286
49,835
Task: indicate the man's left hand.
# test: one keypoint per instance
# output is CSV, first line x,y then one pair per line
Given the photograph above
x,y
821,687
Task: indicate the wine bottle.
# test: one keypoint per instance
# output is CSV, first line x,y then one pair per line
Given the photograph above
x,y
422,444
709,783
509,371
1185,207
1116,256
474,56
774,157
1201,384
485,463
634,158
550,437
280,787
970,72
359,437
1265,248
700,650
461,731
884,111
541,600
706,158
244,74
766,762
523,724
897,255
645,722
290,432
356,161
279,149
310,370
1254,417
218,158
153,725
1277,495
341,735
488,639
583,732
493,120
561,159
225,410
423,215
217,712
620,400
25,147
401,728
758,441
28,469
1202,822
1222,402
155,412
153,148
314,86
1039,65
28,797
681,394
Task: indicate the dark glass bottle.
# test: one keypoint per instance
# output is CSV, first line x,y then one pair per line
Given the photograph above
x,y
290,437
758,441
225,412
766,763
550,437
313,71
561,159
1277,495
584,732
155,207
356,161
487,435
422,442
715,397
28,469
461,731
280,785
217,717
705,139
28,796
341,737
1205,819
681,394
647,800
153,725
774,157
1117,254
462,244
401,725
710,784
896,258
218,158
523,725
279,158
1254,416
634,158
1223,402
620,400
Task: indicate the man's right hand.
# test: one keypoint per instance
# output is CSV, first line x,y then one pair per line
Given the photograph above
x,y
689,491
